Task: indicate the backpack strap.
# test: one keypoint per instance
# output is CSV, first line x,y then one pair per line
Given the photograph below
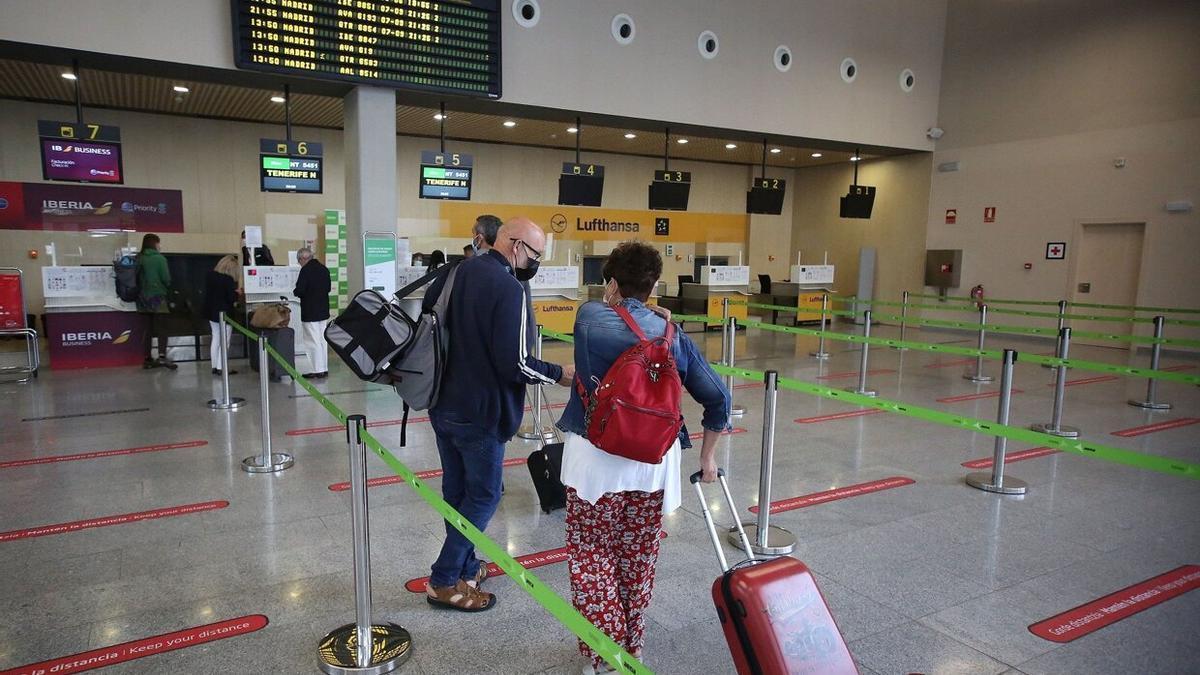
x,y
624,314
444,269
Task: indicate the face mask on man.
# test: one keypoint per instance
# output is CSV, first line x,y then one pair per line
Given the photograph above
x,y
528,272
477,246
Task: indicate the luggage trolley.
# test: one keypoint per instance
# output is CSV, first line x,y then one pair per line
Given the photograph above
x,y
13,322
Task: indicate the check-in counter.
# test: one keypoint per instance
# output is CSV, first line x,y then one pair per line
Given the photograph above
x,y
812,283
264,285
718,283
554,294
87,325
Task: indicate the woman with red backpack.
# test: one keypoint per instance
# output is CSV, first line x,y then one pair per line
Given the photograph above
x,y
624,441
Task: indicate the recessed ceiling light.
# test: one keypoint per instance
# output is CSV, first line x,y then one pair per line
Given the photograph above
x,y
630,135
855,158
682,141
509,123
70,76
730,146
775,151
816,155
180,90
439,116
572,130
278,99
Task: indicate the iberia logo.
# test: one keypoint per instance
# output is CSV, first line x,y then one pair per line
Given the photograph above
x,y
122,338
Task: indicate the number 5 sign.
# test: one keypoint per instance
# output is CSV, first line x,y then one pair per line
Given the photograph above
x,y
1056,250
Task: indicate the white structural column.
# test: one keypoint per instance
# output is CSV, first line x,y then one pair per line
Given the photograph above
x,y
370,147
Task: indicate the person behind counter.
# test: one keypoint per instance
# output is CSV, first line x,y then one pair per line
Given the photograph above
x,y
153,281
262,254
220,294
436,259
312,287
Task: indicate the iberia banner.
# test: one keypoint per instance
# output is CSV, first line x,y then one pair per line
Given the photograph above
x,y
70,207
584,223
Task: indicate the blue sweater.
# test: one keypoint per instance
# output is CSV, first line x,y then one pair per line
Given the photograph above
x,y
489,360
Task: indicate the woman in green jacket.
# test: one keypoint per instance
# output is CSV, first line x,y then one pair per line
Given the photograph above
x,y
153,281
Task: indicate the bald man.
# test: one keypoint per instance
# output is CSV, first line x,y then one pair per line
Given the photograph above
x,y
482,397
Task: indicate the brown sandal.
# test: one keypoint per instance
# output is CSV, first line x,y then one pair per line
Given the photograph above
x,y
479,576
461,597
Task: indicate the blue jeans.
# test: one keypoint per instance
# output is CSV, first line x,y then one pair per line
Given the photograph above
x,y
472,459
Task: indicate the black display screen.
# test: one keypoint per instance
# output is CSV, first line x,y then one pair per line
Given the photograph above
x,y
666,196
448,46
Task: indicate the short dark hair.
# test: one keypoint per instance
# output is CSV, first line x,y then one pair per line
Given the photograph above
x,y
487,225
636,266
150,241
468,247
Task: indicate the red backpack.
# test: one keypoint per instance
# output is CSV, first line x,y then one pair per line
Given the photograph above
x,y
634,412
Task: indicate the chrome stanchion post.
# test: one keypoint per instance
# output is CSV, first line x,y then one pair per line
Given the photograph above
x,y
978,375
226,402
861,389
996,481
821,354
764,538
1151,383
903,319
1062,323
267,461
362,648
536,430
735,410
1055,426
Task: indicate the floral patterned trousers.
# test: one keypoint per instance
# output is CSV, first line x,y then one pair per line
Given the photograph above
x,y
613,548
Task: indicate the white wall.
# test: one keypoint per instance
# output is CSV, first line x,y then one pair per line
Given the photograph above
x,y
569,61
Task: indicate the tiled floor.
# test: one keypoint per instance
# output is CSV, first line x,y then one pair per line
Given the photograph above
x,y
933,577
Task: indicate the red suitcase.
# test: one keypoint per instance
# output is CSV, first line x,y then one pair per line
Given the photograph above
x,y
775,620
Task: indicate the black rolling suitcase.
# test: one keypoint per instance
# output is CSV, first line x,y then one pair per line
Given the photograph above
x,y
545,468
282,340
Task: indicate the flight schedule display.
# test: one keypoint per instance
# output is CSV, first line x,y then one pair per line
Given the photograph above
x,y
436,45
446,175
290,166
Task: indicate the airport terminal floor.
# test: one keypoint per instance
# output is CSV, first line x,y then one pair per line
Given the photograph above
x,y
927,576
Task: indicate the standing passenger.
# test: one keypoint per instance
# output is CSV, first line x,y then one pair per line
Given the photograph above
x,y
615,505
312,287
154,280
220,294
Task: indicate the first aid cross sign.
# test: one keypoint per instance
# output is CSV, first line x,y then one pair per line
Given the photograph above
x,y
1056,250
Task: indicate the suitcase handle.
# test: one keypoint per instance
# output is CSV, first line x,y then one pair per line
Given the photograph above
x,y
708,520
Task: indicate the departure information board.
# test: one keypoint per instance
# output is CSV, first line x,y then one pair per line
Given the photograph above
x,y
437,45
446,175
290,166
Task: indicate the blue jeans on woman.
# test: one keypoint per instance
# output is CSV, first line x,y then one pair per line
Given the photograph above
x,y
472,462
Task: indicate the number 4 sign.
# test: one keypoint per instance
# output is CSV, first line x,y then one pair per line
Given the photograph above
x,y
1056,250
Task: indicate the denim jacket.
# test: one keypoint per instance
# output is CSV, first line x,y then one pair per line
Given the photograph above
x,y
601,336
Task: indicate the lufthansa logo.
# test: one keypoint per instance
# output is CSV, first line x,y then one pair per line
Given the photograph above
x,y
558,223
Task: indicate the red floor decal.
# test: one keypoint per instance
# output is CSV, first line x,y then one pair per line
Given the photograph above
x,y
838,416
974,397
947,364
748,385
100,453
382,423
1110,609
77,525
1087,380
136,649
1033,453
837,493
529,562
1175,369
840,376
700,434
1156,427
431,473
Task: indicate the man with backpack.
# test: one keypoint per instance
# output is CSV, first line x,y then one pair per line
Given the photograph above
x,y
482,397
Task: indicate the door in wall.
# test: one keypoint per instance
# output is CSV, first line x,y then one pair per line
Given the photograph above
x,y
1107,269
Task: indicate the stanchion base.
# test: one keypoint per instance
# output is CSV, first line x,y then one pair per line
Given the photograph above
x,y
279,462
737,410
862,392
234,402
779,540
978,377
530,434
1063,430
983,481
1150,405
820,356
337,650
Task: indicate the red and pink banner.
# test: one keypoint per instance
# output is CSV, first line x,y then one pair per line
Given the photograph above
x,y
81,208
95,339
1110,609
12,302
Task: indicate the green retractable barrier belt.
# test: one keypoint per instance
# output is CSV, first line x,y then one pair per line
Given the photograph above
x,y
541,593
1053,303
1119,455
1023,312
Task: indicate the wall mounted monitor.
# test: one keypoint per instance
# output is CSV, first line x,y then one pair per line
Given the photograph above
x,y
858,202
580,184
670,190
83,153
766,196
448,46
290,166
446,175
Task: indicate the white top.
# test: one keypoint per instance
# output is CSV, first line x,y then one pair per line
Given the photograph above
x,y
593,472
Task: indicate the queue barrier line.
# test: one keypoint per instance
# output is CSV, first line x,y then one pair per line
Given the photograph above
x,y
1054,303
1024,312
562,610
1168,465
